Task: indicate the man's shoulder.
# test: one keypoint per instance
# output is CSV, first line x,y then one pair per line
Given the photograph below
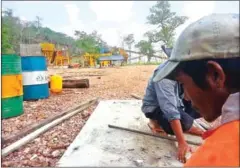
x,y
226,133
166,82
219,149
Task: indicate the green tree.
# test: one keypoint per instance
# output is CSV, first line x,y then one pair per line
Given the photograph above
x,y
129,40
167,22
146,48
14,26
16,31
90,43
6,45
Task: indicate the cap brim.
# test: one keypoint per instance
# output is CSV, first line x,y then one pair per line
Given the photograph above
x,y
167,71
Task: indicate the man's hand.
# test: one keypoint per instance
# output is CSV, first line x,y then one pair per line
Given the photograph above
x,y
183,148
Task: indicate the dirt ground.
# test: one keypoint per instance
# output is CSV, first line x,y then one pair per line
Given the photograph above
x,y
47,149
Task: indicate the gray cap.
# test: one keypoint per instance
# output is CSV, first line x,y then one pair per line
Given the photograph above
x,y
211,37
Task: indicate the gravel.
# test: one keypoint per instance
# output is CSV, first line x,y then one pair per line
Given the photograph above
x,y
47,149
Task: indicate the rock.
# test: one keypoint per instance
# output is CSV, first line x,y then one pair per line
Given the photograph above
x,y
56,153
130,149
27,150
34,156
167,156
7,164
55,139
46,152
138,163
37,140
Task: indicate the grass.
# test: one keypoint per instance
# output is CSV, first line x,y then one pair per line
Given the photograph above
x,y
78,60
144,63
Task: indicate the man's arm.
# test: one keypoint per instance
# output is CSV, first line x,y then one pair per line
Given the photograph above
x,y
168,103
167,99
183,147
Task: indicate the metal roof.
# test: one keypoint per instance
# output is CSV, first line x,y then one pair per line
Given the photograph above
x,y
111,58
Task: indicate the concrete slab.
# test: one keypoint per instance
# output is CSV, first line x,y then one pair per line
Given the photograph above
x,y
98,145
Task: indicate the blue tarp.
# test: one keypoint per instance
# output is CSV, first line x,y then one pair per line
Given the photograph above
x,y
111,58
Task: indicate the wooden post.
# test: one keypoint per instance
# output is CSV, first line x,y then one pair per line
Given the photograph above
x,y
35,126
16,145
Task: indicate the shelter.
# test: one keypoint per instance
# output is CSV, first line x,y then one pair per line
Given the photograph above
x,y
111,60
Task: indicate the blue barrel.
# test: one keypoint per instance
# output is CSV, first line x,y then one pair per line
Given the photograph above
x,y
35,77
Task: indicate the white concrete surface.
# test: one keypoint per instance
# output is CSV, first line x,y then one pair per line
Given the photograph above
x,y
97,145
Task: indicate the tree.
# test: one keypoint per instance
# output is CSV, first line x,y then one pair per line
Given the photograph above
x,y
129,40
38,22
90,43
146,48
8,12
6,46
14,26
151,36
167,21
16,31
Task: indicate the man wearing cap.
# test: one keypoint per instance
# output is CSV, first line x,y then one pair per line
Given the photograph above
x,y
164,105
206,61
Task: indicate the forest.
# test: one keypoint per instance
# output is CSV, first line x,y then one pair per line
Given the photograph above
x,y
16,31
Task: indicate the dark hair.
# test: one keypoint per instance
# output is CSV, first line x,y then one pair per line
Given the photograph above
x,y
197,70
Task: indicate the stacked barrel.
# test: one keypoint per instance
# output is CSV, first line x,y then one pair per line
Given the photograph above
x,y
34,71
35,77
12,89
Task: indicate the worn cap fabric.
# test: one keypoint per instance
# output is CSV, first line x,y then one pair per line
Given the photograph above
x,y
211,37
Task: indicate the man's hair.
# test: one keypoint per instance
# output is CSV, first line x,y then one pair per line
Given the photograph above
x,y
197,70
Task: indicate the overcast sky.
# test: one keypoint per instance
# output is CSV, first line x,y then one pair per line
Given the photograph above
x,y
112,19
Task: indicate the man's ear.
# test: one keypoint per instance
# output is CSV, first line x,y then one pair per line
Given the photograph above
x,y
215,75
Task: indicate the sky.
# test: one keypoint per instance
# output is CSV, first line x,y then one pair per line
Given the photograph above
x,y
112,19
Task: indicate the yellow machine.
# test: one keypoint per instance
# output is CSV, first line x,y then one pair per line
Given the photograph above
x,y
91,59
48,51
54,56
61,58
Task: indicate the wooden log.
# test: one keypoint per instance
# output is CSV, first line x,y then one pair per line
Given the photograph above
x,y
80,83
136,96
35,126
74,83
16,145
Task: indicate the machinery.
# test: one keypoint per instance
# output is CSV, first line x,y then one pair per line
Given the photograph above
x,y
55,56
92,60
60,57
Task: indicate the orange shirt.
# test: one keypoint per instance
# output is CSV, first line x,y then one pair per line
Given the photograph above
x,y
221,148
